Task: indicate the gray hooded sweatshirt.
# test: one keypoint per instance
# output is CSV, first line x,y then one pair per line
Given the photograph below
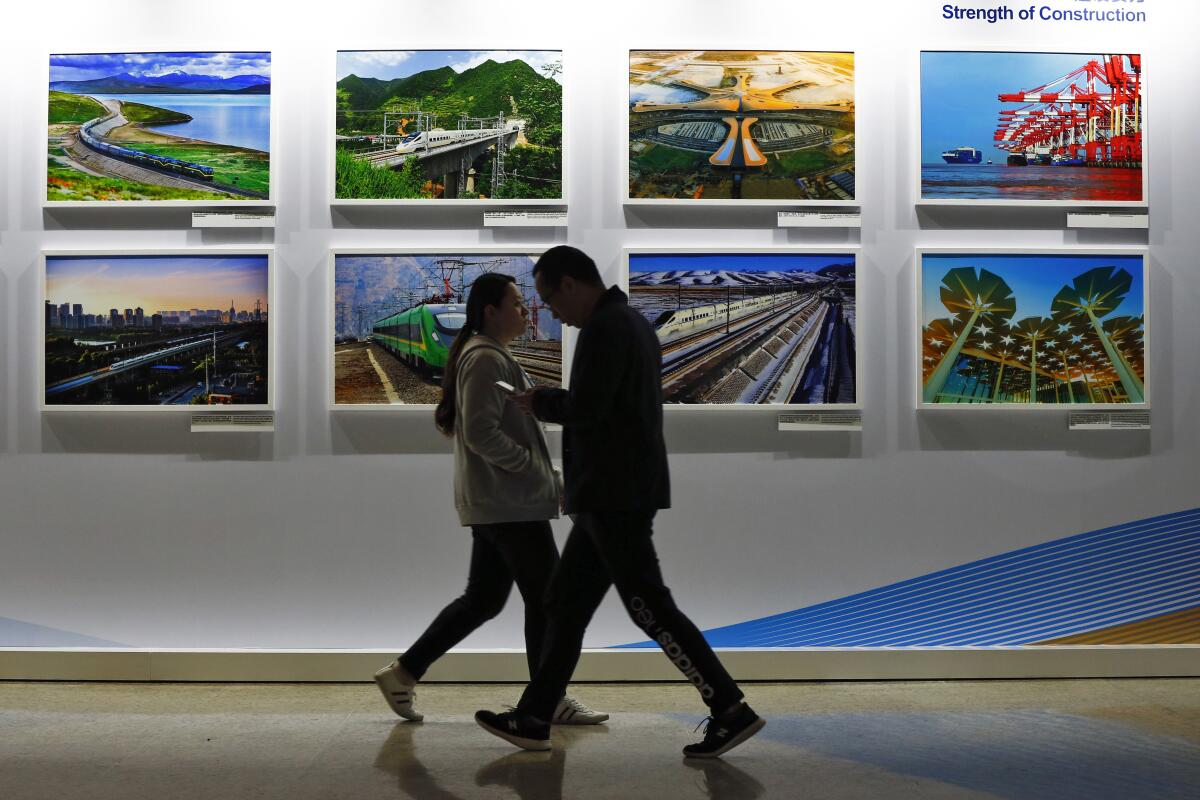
x,y
502,468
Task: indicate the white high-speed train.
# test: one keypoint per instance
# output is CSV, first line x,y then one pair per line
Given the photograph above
x,y
427,140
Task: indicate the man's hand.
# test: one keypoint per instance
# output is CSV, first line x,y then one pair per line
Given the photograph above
x,y
523,401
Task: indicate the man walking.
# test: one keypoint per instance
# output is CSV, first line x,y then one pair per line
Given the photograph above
x,y
615,470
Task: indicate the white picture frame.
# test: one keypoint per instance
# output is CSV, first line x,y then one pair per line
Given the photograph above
x,y
207,205
783,204
331,167
272,328
1031,408
854,251
331,321
921,201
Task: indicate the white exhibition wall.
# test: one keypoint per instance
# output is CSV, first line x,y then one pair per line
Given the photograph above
x,y
338,530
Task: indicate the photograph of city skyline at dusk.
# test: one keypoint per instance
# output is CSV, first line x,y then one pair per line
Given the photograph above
x,y
156,330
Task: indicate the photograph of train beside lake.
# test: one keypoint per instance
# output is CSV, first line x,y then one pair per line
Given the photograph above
x,y
415,125
159,126
747,328
1033,328
1031,127
396,315
741,125
156,330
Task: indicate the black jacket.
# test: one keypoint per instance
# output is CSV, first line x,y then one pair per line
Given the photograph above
x,y
614,457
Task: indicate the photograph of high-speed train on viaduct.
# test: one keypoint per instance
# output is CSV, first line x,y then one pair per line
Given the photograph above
x,y
747,328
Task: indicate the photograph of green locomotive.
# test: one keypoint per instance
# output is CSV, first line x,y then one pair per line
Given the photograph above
x,y
396,314
421,336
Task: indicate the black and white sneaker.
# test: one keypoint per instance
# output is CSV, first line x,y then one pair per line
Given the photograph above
x,y
726,732
399,689
526,732
572,712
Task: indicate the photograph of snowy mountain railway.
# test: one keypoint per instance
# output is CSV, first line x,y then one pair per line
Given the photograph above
x,y
765,126
751,327
176,128
395,315
1024,329
1032,128
452,126
156,330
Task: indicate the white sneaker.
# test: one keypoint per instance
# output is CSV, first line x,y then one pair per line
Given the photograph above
x,y
399,689
572,712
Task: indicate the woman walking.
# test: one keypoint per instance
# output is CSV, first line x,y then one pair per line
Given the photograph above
x,y
505,490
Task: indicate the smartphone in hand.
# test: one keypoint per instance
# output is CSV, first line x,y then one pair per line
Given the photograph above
x,y
506,387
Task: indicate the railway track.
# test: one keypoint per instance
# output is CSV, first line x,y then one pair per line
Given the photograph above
x,y
85,155
539,363
708,344
802,345
708,369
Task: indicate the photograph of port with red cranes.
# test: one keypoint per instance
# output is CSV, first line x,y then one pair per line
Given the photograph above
x,y
395,315
1048,128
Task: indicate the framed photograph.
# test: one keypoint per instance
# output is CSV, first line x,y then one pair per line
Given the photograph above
x,y
154,129
467,127
1032,129
395,313
163,330
741,127
1066,328
752,327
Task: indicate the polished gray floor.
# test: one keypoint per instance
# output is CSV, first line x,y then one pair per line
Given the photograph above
x,y
1095,739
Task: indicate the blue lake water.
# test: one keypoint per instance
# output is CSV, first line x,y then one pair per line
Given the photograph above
x,y
236,119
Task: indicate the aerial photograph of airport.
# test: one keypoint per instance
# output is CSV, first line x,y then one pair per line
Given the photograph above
x,y
159,126
156,330
396,315
449,125
1033,328
1049,127
747,328
741,125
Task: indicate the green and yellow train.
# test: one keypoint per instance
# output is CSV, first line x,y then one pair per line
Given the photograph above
x,y
421,336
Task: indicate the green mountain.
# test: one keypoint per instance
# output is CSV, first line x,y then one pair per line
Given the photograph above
x,y
481,91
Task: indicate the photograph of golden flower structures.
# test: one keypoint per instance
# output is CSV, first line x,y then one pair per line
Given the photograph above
x,y
766,125
395,316
1044,328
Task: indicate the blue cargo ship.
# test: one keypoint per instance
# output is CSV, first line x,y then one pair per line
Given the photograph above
x,y
963,155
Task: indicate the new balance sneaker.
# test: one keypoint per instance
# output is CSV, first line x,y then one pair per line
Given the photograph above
x,y
572,712
726,732
526,732
399,689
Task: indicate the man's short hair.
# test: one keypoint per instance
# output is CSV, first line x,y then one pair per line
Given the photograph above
x,y
566,261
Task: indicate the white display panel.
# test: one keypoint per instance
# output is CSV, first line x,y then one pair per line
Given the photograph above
x,y
160,129
168,350
1032,329
752,327
446,112
393,315
347,538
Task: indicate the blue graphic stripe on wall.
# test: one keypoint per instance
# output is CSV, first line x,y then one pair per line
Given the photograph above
x,y
1082,583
